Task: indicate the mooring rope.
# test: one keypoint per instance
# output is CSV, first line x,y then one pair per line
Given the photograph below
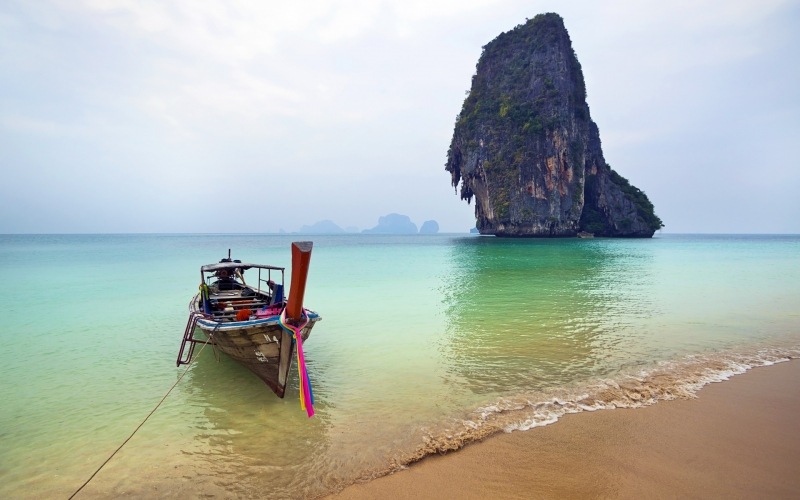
x,y
140,425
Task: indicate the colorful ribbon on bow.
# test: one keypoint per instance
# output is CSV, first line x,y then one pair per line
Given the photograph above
x,y
306,394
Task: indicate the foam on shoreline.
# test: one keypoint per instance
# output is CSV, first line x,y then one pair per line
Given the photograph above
x,y
640,388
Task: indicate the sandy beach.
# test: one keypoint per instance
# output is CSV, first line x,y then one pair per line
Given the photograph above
x,y
737,439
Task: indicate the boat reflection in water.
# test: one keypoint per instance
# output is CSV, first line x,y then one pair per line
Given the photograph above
x,y
247,444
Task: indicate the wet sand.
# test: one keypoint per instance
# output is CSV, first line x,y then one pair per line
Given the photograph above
x,y
738,439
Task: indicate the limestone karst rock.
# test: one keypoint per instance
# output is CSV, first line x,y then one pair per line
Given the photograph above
x,y
526,148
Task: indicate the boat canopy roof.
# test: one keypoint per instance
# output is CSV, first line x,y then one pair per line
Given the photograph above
x,y
210,268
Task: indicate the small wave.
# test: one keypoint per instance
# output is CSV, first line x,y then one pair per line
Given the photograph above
x,y
633,388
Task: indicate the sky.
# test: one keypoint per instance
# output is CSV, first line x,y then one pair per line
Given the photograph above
x,y
259,116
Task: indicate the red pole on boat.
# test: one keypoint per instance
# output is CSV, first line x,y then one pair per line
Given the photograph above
x,y
301,257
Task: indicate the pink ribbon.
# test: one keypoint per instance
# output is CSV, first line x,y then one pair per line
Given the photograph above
x,y
306,394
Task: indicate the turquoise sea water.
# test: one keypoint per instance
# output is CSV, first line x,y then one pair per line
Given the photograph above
x,y
426,342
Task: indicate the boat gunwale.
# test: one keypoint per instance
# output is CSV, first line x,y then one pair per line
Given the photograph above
x,y
206,323
211,324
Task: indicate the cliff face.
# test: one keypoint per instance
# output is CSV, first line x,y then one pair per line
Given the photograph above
x,y
526,148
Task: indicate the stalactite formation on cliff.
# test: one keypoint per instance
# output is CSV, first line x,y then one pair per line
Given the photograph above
x,y
526,148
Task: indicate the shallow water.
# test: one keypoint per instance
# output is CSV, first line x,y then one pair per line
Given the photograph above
x,y
426,342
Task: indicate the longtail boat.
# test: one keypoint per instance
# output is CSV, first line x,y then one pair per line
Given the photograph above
x,y
253,321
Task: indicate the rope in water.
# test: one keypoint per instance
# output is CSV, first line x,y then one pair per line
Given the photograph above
x,y
137,428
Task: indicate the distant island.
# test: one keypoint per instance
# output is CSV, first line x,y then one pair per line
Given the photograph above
x,y
429,227
525,147
388,224
393,224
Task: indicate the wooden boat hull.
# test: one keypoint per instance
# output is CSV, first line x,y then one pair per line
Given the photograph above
x,y
260,345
